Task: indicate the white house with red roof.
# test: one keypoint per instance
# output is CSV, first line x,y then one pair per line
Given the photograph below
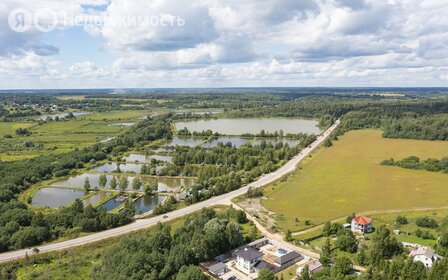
x,y
362,224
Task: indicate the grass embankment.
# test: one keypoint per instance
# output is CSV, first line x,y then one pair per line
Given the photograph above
x,y
348,177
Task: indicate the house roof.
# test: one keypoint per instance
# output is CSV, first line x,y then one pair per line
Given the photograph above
x,y
314,265
249,254
287,257
362,220
425,251
217,267
264,265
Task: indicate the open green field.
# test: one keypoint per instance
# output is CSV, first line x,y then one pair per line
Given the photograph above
x,y
348,177
63,136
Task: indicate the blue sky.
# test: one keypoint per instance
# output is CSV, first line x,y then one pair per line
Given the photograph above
x,y
232,43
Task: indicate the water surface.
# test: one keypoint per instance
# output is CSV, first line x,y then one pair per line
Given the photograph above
x,y
185,141
146,158
61,115
290,142
165,184
96,198
236,141
55,197
147,203
252,126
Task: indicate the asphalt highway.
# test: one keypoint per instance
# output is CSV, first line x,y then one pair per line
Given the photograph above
x,y
146,223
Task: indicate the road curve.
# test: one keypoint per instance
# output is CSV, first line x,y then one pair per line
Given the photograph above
x,y
146,223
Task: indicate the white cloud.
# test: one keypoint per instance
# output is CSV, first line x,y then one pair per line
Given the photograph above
x,y
232,43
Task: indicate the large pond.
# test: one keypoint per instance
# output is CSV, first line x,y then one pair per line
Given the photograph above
x,y
61,116
165,184
147,203
236,141
56,197
146,158
253,126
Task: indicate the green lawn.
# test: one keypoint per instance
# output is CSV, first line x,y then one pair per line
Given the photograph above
x,y
348,178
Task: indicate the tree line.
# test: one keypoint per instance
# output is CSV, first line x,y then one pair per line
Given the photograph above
x,y
413,162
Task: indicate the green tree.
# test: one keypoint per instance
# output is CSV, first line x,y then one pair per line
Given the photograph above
x,y
102,181
327,229
123,184
87,184
113,183
191,273
150,189
349,219
347,241
305,274
234,235
325,255
342,267
136,183
288,235
266,274
384,246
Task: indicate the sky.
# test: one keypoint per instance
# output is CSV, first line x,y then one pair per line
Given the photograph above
x,y
223,43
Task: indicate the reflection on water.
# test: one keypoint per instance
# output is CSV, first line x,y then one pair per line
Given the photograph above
x,y
55,197
146,158
147,203
165,184
252,126
112,204
236,141
185,141
96,198
61,116
112,167
290,142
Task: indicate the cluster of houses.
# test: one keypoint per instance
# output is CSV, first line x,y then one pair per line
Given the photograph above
x,y
427,256
247,261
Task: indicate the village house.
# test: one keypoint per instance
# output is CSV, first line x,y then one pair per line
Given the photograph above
x,y
361,224
425,255
247,258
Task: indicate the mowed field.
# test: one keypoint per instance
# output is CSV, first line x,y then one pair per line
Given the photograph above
x,y
348,177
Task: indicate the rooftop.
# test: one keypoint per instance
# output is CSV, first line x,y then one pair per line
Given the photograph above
x,y
287,257
217,267
425,251
249,254
362,220
314,265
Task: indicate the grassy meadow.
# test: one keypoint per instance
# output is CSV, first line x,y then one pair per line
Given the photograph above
x,y
64,136
348,177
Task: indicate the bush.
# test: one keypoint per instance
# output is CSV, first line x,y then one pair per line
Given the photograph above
x,y
426,222
401,220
